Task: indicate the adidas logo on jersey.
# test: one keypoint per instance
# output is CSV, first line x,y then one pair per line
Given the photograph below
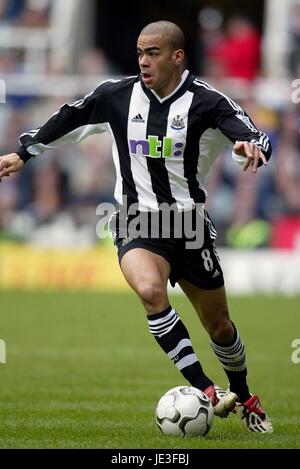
x,y
138,119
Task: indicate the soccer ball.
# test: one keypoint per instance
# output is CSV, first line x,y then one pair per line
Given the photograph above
x,y
184,410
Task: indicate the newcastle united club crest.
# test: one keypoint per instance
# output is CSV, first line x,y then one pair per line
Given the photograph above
x,y
177,123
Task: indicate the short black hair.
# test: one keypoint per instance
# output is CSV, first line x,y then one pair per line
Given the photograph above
x,y
170,30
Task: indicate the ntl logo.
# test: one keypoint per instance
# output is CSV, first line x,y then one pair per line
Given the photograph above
x,y
153,147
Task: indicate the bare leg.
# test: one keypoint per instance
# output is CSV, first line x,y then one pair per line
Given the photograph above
x,y
147,274
211,307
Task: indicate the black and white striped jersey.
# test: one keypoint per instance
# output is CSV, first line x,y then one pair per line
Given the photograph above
x,y
163,149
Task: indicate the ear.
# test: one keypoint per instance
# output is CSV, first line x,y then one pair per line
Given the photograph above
x,y
178,57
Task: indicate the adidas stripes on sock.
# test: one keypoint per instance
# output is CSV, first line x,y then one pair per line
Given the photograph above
x,y
174,339
233,360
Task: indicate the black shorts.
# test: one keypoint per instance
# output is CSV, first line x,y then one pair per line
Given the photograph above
x,y
200,266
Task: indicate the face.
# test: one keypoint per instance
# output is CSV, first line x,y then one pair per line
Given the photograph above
x,y
160,65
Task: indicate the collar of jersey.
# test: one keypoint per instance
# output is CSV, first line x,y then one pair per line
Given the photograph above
x,y
180,89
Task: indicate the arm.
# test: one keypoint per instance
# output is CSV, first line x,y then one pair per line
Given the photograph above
x,y
251,147
71,124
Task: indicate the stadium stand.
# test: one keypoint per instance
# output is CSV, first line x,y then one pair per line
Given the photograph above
x,y
61,190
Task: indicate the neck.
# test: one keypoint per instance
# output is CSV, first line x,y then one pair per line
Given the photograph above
x,y
169,91
172,85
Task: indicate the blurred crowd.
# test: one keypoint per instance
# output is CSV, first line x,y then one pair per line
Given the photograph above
x,y
27,13
57,193
263,210
53,200
30,15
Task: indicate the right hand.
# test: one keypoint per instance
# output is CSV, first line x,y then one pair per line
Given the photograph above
x,y
252,153
10,164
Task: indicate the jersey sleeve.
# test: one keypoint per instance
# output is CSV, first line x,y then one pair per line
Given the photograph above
x,y
71,124
236,125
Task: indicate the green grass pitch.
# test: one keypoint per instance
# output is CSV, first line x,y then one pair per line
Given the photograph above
x,y
83,371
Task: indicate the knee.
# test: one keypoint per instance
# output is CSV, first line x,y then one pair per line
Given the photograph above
x,y
153,296
222,331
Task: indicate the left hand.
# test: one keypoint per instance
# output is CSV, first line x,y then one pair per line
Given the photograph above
x,y
252,154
